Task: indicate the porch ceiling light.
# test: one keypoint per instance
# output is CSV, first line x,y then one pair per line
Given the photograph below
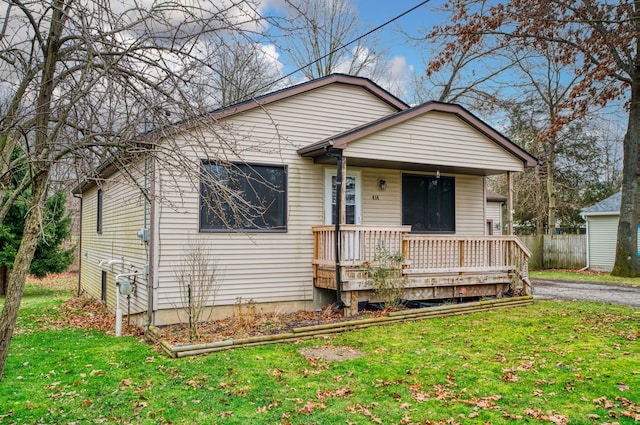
x,y
437,173
382,184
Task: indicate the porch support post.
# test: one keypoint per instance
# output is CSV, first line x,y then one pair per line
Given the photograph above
x,y
343,192
510,203
338,214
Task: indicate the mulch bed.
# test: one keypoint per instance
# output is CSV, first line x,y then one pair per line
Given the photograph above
x,y
256,324
85,312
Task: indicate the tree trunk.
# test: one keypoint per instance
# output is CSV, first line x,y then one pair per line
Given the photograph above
x,y
41,168
551,192
626,263
21,264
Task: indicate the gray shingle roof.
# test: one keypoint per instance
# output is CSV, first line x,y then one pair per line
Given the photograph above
x,y
494,196
609,205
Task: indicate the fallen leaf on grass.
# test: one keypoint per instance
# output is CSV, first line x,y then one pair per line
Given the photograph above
x,y
360,409
622,386
339,393
602,401
510,376
309,406
547,416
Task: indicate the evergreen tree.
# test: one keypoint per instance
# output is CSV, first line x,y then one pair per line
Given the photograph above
x,y
50,256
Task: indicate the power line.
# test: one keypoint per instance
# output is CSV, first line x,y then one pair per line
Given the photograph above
x,y
355,40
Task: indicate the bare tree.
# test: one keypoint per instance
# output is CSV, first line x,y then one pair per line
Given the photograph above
x,y
241,69
600,40
80,80
550,82
199,280
472,77
323,27
585,156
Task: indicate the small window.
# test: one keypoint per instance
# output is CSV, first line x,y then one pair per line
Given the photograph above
x,y
243,197
428,203
99,225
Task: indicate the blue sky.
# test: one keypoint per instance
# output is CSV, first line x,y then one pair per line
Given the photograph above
x,y
402,58
372,13
375,12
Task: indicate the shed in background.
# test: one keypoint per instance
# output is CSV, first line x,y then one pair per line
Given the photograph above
x,y
494,205
602,228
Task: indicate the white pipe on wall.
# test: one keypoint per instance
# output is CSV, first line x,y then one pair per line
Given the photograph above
x,y
118,309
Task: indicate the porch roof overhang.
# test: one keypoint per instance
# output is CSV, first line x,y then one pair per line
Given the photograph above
x,y
340,141
407,166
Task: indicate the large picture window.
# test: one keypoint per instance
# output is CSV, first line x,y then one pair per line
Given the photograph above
x,y
428,203
243,197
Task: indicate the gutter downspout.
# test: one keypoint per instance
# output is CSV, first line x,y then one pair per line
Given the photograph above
x,y
338,209
151,244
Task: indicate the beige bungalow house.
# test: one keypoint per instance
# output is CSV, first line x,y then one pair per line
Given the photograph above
x,y
298,160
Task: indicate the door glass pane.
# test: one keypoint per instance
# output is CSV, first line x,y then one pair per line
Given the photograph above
x,y
350,202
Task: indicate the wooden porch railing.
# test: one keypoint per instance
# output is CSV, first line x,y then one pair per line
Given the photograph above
x,y
459,254
358,243
423,254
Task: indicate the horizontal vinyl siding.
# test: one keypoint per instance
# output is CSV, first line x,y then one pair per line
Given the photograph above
x,y
602,242
435,138
123,216
494,213
381,207
264,267
470,205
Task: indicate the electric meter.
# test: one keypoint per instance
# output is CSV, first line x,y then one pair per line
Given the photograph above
x,y
125,287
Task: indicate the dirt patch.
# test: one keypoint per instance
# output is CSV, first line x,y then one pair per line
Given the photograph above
x,y
331,353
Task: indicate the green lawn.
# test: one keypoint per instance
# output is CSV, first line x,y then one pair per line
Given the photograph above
x,y
588,276
553,362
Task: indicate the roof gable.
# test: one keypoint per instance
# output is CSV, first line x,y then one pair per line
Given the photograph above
x,y
287,92
340,141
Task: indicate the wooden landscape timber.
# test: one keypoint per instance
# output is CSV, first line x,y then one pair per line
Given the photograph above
x,y
309,332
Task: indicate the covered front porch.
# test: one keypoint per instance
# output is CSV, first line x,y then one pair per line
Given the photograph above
x,y
433,267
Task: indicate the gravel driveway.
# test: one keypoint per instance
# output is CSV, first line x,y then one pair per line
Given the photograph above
x,y
628,295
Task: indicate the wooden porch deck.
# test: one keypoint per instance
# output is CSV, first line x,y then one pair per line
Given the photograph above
x,y
433,267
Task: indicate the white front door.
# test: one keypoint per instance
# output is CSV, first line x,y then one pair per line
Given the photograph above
x,y
354,196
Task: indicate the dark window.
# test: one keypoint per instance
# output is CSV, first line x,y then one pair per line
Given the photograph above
x,y
99,226
243,197
104,287
428,203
